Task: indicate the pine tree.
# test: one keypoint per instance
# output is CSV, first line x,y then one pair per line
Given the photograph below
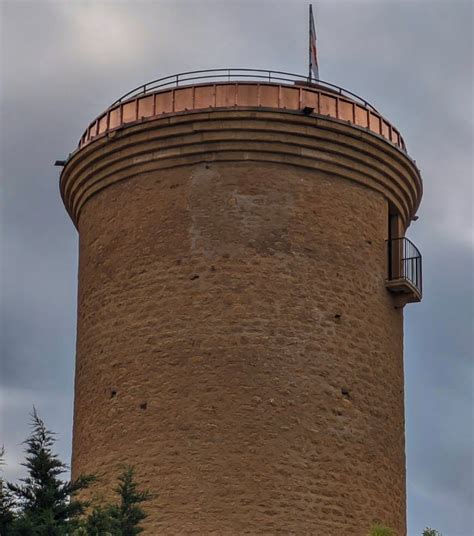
x,y
121,519
100,522
129,514
431,532
7,503
45,503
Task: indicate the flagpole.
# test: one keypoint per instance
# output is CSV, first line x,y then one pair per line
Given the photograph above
x,y
309,43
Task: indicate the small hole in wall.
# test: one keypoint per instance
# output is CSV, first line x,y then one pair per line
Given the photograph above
x,y
113,393
345,392
369,242
178,262
193,277
337,316
143,405
213,268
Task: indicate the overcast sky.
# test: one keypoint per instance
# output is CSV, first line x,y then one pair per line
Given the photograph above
x,y
64,62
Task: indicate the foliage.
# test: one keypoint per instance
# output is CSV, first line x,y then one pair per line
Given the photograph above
x,y
381,530
45,505
122,519
42,500
129,514
7,502
99,522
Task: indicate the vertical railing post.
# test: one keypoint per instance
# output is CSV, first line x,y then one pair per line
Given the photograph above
x,y
421,274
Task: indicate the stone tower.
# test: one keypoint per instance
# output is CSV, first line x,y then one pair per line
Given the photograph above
x,y
242,276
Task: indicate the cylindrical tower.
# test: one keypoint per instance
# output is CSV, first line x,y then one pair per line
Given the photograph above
x,y
242,276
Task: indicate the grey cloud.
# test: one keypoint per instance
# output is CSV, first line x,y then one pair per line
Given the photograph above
x,y
63,62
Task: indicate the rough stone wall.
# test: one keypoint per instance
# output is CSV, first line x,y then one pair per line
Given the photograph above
x,y
236,343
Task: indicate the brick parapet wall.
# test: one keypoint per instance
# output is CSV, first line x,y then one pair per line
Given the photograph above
x,y
237,95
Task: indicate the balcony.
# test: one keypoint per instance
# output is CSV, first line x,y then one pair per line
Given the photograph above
x,y
404,271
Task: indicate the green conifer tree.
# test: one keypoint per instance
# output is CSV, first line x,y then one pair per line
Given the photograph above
x,y
100,522
129,514
7,502
45,503
122,519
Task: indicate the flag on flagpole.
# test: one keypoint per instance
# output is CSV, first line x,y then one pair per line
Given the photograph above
x,y
313,51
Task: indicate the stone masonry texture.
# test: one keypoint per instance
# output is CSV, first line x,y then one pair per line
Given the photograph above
x,y
236,342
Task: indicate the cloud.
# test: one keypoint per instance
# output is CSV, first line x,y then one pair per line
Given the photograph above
x,y
106,34
16,405
64,62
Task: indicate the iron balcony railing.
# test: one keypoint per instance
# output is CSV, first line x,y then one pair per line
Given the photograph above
x,y
229,75
405,262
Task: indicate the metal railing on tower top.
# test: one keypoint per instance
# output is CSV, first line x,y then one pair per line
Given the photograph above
x,y
229,75
247,88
